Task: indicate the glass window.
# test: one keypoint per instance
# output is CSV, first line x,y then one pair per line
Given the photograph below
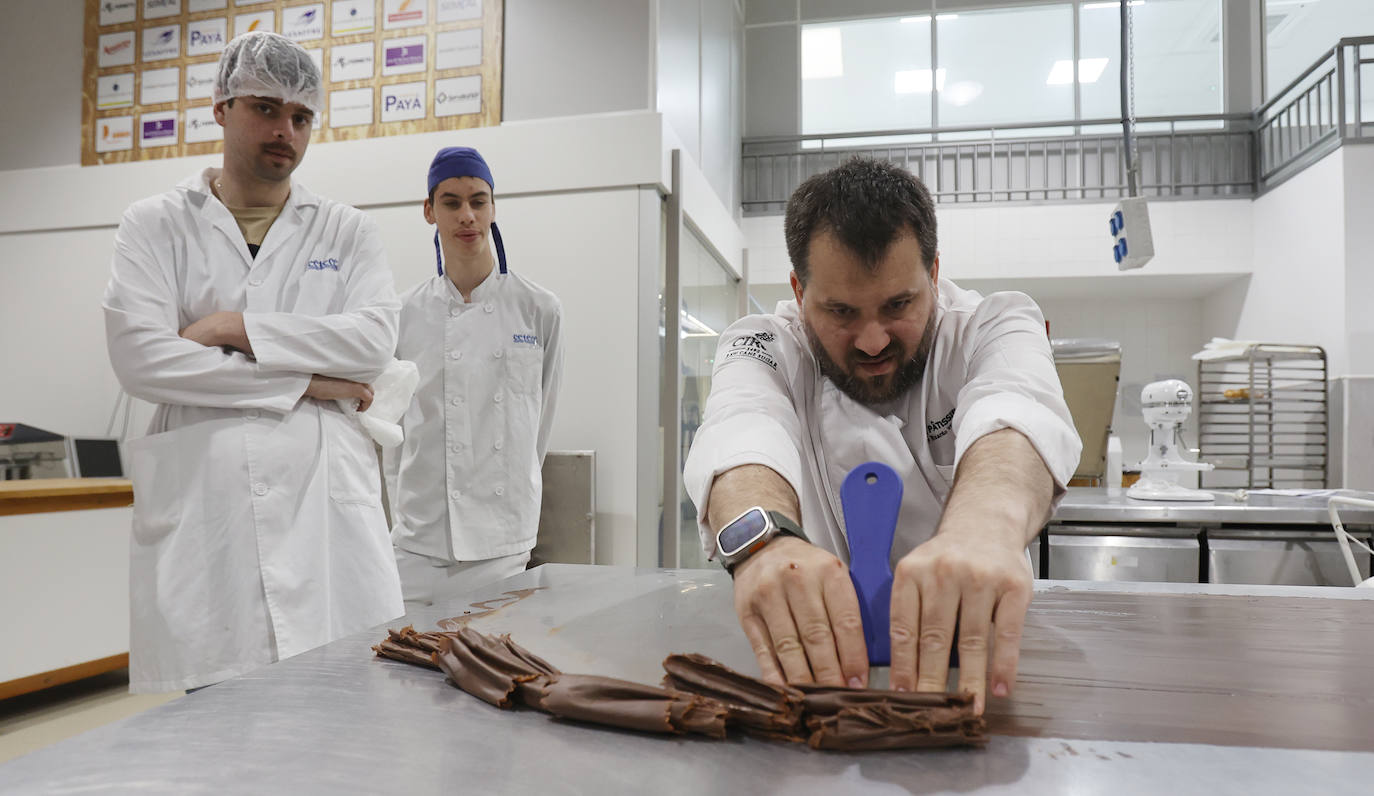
x,y
1298,32
1177,52
710,297
871,74
1000,65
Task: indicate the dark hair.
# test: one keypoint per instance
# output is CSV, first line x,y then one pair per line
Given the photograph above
x,y
867,204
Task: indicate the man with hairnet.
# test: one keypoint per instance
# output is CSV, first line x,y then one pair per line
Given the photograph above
x,y
243,306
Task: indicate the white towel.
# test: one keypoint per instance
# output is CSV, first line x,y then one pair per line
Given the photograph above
x,y
391,394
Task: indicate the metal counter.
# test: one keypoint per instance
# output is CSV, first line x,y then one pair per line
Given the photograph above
x,y
337,720
1092,504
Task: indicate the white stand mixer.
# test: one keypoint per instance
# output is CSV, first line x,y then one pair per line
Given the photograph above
x,y
1166,404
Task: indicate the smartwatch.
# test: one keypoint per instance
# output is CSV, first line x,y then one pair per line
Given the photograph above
x,y
749,532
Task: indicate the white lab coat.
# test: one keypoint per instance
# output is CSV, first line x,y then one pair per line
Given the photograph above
x,y
990,368
258,530
466,483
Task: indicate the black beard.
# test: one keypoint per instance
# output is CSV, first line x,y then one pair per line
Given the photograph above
x,y
881,389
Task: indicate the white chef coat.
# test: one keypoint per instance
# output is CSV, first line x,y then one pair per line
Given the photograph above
x,y
465,484
258,530
990,368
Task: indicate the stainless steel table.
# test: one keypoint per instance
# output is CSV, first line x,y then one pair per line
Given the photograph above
x,y
337,720
1092,504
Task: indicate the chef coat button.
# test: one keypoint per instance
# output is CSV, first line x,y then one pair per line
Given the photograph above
x,y
498,445
455,494
259,489
498,354
255,281
456,401
457,448
488,307
453,312
455,355
498,398
251,414
500,491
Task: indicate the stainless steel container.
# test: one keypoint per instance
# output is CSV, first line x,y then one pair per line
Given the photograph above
x,y
1281,557
1124,553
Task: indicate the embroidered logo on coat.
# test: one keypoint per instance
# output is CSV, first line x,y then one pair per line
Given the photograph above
x,y
936,429
528,339
332,264
752,345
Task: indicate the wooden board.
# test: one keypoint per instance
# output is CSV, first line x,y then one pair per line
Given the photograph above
x,y
69,674
64,494
97,123
1278,672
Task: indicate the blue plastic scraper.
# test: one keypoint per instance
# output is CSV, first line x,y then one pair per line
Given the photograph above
x,y
871,497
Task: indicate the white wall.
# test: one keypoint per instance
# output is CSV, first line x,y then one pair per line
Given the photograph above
x,y
1294,294
40,120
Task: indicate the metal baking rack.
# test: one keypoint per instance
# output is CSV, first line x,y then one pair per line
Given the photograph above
x,y
1262,418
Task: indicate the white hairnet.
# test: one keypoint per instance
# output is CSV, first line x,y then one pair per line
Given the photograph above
x,y
262,64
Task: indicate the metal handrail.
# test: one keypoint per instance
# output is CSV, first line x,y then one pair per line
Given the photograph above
x,y
1278,139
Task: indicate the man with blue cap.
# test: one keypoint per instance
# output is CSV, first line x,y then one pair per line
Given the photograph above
x,y
465,485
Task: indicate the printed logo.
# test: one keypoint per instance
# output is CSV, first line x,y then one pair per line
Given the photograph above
x,y
152,9
161,43
206,36
306,23
457,49
201,125
114,133
351,62
456,10
259,20
458,95
405,13
116,49
403,56
115,91
353,16
403,102
332,264
158,129
160,85
350,108
200,80
528,339
936,429
115,12
753,346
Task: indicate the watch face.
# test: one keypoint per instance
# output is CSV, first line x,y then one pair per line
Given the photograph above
x,y
738,534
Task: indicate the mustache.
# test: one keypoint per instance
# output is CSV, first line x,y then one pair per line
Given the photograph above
x,y
280,149
893,349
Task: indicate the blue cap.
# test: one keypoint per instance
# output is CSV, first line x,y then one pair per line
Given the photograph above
x,y
462,161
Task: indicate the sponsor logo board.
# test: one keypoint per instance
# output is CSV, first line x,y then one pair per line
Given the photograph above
x,y
206,36
352,62
115,49
161,42
201,125
456,96
350,108
159,85
114,91
114,133
157,129
456,49
403,56
403,102
353,16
